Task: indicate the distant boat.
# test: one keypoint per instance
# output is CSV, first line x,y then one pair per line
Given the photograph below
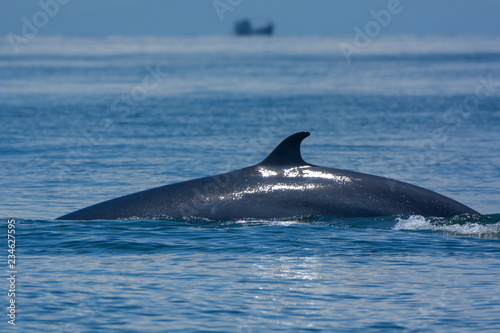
x,y
244,28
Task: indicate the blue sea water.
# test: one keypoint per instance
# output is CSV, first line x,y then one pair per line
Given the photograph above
x,y
88,119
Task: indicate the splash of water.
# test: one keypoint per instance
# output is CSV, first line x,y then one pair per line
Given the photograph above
x,y
459,226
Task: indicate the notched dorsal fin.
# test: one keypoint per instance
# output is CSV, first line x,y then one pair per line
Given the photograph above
x,y
287,152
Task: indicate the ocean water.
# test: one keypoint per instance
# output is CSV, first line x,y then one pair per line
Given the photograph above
x,y
85,119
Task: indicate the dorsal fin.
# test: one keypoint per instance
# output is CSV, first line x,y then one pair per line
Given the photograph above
x,y
287,152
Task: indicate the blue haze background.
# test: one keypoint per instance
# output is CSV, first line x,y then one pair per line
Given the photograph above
x,y
223,103
292,17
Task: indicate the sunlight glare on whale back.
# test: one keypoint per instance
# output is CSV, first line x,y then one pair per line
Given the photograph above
x,y
306,172
267,188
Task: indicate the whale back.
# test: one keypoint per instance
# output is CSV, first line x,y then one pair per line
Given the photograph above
x,y
282,185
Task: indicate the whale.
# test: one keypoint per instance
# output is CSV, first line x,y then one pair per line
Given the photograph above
x,y
283,185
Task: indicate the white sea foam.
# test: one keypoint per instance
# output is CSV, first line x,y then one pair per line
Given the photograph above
x,y
417,222
414,222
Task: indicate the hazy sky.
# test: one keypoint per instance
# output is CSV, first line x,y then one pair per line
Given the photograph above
x,y
200,17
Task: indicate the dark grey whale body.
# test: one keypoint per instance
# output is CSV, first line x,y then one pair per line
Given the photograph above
x,y
282,185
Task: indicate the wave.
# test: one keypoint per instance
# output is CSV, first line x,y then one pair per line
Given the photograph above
x,y
480,226
485,226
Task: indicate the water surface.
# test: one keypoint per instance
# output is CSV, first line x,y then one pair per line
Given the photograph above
x,y
84,120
